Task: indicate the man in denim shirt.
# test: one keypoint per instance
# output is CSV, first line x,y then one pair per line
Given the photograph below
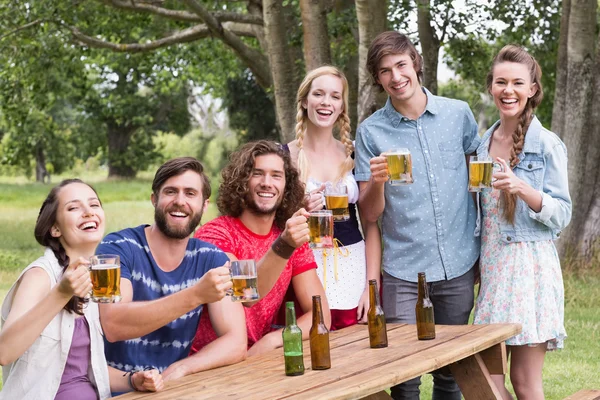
x,y
427,226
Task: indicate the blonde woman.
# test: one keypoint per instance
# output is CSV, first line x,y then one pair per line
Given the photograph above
x,y
322,104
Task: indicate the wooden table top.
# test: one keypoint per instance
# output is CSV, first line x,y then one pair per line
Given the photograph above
x,y
356,369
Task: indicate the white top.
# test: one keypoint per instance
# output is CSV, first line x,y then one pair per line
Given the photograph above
x,y
37,373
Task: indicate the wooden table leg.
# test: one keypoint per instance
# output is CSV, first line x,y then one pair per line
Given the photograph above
x,y
378,396
495,359
474,379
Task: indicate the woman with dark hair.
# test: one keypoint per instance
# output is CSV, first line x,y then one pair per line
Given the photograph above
x,y
322,104
51,344
521,278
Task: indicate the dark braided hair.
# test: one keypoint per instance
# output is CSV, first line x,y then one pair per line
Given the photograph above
x,y
517,54
45,221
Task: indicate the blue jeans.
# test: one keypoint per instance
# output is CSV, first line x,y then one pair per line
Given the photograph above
x,y
452,303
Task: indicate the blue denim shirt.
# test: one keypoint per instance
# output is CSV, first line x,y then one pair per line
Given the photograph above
x,y
427,226
543,166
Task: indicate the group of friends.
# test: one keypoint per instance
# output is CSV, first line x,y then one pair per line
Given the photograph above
x,y
175,319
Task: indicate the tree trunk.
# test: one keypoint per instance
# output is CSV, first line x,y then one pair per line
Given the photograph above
x,y
372,20
558,108
591,226
118,140
430,45
316,39
41,173
351,72
285,83
578,137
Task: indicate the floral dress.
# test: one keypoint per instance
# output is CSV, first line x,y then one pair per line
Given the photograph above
x,y
520,282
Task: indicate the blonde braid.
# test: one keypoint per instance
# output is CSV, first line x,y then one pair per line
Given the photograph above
x,y
348,164
302,162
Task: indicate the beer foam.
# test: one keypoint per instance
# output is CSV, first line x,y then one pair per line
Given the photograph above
x,y
244,277
105,266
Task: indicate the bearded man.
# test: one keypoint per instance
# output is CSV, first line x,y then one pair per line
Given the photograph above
x,y
260,199
166,278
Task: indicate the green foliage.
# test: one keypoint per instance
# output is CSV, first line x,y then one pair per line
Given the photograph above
x,y
250,109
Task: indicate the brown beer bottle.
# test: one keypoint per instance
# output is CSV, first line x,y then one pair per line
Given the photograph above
x,y
319,338
424,311
376,318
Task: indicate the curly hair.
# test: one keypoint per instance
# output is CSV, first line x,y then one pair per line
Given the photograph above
x,y
233,190
45,221
343,121
517,54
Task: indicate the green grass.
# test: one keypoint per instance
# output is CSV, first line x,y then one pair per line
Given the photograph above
x,y
127,204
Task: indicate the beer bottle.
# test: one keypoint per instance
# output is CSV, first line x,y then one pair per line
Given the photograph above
x,y
292,343
319,338
376,319
424,311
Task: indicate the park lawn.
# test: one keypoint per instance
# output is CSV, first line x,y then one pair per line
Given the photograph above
x,y
127,204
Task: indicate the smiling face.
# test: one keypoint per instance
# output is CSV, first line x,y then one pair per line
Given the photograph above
x,y
325,101
79,217
266,185
511,88
179,205
397,75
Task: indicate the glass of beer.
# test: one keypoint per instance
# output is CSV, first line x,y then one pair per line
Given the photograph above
x,y
336,200
481,170
399,163
105,271
320,226
244,278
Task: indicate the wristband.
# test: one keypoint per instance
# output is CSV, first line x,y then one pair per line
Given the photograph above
x,y
130,380
282,248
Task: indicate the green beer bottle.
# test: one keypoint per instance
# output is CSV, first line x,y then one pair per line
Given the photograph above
x,y
292,343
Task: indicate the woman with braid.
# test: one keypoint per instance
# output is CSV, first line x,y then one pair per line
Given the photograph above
x,y
51,345
529,205
322,104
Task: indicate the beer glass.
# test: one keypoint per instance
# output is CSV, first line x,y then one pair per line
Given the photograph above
x,y
481,170
244,278
105,271
399,163
336,200
320,226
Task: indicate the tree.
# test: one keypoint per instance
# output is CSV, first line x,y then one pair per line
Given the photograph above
x,y
578,124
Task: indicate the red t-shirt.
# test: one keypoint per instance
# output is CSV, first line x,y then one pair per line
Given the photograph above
x,y
231,236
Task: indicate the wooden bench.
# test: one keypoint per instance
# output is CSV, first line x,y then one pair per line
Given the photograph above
x,y
585,394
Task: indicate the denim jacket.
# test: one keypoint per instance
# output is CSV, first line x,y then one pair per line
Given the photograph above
x,y
543,166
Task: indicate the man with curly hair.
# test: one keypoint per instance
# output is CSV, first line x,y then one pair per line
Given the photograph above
x,y
261,198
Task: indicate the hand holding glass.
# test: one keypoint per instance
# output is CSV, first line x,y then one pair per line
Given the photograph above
x,y
244,279
105,271
336,200
481,170
399,163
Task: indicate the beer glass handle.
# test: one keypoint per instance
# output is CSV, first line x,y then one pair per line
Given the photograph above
x,y
497,167
229,292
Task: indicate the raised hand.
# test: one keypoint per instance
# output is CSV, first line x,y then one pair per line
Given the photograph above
x,y
314,199
296,229
76,279
213,286
379,169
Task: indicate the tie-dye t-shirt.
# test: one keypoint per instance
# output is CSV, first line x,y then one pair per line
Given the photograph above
x,y
172,342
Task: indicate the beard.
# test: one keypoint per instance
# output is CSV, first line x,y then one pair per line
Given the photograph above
x,y
176,232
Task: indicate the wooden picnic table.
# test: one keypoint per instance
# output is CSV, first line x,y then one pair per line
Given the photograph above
x,y
471,352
